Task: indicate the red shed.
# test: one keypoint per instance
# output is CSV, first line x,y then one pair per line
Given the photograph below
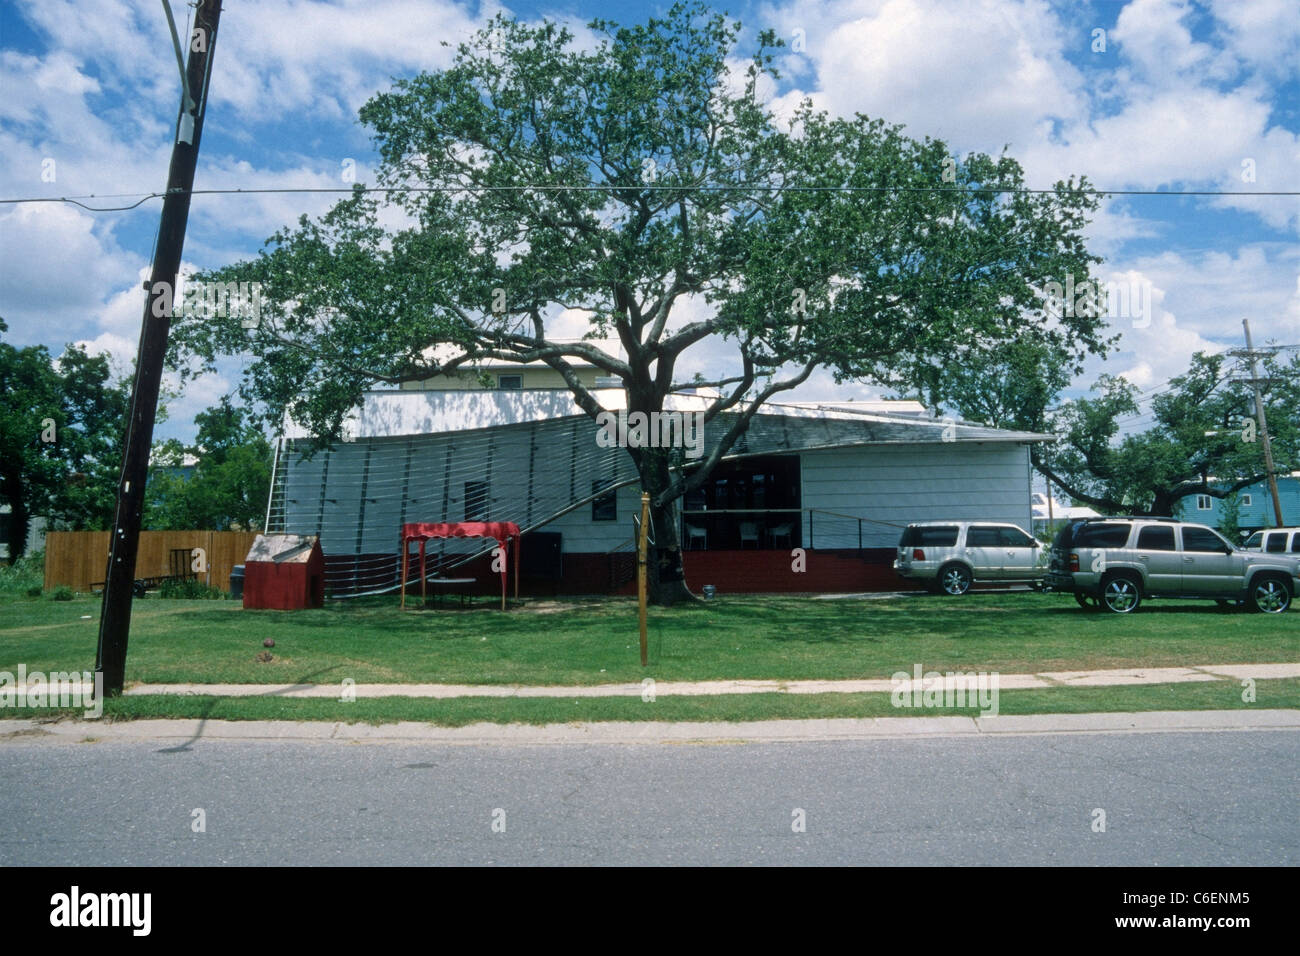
x,y
284,572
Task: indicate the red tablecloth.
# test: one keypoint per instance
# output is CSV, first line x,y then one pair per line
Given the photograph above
x,y
501,531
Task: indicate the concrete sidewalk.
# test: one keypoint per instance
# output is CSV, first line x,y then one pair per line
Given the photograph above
x,y
1095,678
186,732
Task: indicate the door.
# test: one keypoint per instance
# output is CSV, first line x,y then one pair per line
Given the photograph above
x,y
984,551
1211,567
1019,555
1159,555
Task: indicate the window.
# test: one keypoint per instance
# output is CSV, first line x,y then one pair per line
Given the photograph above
x,y
982,536
1203,503
1202,539
1255,542
1102,536
1156,538
1246,501
1015,538
476,501
1295,543
510,381
929,536
1275,542
604,508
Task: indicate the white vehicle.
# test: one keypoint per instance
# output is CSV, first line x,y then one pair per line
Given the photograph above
x,y
950,556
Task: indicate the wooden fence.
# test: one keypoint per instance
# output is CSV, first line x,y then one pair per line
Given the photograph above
x,y
79,558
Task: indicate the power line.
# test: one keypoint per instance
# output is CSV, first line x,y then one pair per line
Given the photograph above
x,y
142,198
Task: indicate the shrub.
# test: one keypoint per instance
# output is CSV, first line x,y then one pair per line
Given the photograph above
x,y
190,589
35,590
61,593
23,575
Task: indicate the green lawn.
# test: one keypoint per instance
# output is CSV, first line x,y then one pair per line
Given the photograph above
x,y
1216,695
595,641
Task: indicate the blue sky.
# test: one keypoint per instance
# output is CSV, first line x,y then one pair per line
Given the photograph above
x,y
1184,96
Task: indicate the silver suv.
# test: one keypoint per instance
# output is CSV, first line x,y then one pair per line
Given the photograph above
x,y
1116,562
949,556
1274,541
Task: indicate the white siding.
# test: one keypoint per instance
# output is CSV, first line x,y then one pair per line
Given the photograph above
x,y
903,483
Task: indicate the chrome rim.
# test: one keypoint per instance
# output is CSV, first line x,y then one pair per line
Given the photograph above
x,y
1271,597
955,581
1121,595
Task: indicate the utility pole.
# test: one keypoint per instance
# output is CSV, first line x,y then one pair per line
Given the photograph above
x,y
1263,424
115,611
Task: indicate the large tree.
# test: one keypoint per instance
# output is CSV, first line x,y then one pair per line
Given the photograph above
x,y
1204,438
60,438
622,180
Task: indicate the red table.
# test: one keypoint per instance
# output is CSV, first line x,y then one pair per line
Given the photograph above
x,y
501,531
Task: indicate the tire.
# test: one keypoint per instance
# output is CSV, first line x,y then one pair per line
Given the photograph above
x,y
1269,595
1120,594
1084,601
954,580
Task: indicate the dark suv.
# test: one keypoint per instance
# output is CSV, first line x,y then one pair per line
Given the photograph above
x,y
1117,562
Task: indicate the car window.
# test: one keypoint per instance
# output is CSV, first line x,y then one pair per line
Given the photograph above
x,y
929,536
1156,538
1015,538
1202,539
1254,541
1295,543
1102,536
982,536
1275,542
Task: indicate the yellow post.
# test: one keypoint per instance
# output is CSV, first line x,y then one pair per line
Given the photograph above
x,y
640,568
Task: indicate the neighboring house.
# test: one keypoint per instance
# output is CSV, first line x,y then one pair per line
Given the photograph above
x,y
35,533
1056,511
1255,505
839,480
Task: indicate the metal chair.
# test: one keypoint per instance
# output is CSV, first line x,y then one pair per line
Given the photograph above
x,y
749,532
785,531
694,534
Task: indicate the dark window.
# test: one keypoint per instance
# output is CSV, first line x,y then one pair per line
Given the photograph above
x,y
929,536
1275,542
1295,543
604,508
1102,536
1015,538
1156,538
476,501
1256,540
510,381
978,536
1202,539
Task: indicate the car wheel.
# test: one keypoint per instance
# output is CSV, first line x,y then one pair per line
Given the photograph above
x,y
1085,602
954,579
1270,595
1121,595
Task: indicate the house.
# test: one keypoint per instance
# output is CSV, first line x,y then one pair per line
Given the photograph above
x,y
839,480
1255,505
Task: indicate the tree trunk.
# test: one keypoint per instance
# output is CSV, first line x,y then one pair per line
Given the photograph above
x,y
19,520
665,576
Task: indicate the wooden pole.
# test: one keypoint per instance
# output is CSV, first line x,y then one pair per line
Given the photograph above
x,y
1263,428
640,570
124,545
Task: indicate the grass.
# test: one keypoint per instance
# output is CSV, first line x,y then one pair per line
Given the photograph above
x,y
1217,695
595,641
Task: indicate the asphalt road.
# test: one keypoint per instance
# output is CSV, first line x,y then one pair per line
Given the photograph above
x,y
1169,799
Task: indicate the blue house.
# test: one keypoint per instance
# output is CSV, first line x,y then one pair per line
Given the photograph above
x,y
1256,506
